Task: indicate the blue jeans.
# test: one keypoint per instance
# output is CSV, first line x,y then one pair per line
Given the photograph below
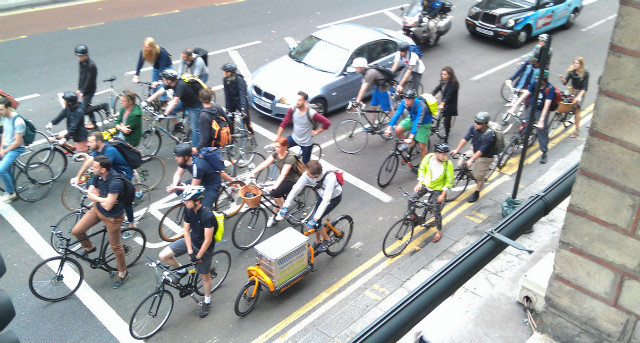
x,y
543,134
306,150
155,76
6,170
211,192
194,115
332,204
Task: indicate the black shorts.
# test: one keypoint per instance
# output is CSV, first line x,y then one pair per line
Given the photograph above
x,y
283,190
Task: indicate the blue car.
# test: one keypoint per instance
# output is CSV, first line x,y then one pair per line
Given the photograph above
x,y
515,21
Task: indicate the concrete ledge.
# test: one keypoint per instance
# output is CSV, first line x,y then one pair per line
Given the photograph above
x,y
540,338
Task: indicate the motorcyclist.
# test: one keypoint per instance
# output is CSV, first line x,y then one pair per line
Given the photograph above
x,y
431,10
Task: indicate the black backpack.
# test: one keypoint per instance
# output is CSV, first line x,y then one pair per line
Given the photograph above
x,y
132,155
128,193
30,130
389,75
204,54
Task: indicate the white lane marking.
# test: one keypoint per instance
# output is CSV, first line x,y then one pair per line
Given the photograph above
x,y
393,17
242,67
360,16
27,97
588,2
494,69
236,47
100,309
599,22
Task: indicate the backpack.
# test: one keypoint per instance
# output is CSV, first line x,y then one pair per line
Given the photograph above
x,y
220,126
314,124
415,49
29,132
389,75
431,102
202,53
220,230
557,98
498,142
339,177
132,155
194,82
212,156
128,193
299,165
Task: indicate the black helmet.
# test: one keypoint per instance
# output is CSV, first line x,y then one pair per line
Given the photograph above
x,y
81,49
182,150
442,147
409,93
70,97
403,47
482,117
169,74
229,67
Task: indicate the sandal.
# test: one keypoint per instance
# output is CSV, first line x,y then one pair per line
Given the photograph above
x,y
574,135
437,238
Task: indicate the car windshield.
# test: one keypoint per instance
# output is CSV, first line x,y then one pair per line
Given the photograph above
x,y
496,4
319,54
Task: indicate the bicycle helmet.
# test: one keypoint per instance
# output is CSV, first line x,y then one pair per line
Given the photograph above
x,y
70,97
543,37
360,62
182,150
404,47
229,67
409,93
81,49
192,193
442,147
482,117
169,74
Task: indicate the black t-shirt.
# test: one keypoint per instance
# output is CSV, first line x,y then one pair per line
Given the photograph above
x,y
202,170
187,95
110,185
200,220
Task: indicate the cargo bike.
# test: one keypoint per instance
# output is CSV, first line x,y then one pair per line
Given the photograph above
x,y
286,258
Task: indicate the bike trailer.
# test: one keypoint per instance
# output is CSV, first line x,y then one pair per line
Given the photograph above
x,y
283,256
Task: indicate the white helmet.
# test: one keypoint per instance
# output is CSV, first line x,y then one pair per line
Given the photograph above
x,y
360,62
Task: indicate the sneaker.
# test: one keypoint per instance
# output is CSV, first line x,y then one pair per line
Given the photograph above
x,y
368,128
121,280
474,197
177,128
322,247
204,309
543,158
270,221
9,197
429,224
138,197
179,274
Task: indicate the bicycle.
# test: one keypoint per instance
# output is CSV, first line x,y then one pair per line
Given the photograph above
x,y
252,224
55,155
351,136
339,231
410,155
33,181
502,116
241,134
564,114
107,112
517,142
66,224
154,310
151,140
401,232
463,175
59,277
271,172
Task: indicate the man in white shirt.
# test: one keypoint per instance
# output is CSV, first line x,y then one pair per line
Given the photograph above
x,y
413,67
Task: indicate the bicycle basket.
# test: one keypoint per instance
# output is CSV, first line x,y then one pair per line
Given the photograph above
x,y
564,107
251,195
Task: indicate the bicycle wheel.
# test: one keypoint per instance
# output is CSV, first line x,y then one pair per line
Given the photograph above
x,y
56,278
388,170
269,174
340,239
303,205
64,226
242,164
246,301
507,153
34,184
133,247
151,171
71,197
350,136
249,228
505,92
40,138
220,266
170,228
142,203
229,201
316,151
150,142
492,167
247,144
555,122
53,157
460,183
397,238
151,314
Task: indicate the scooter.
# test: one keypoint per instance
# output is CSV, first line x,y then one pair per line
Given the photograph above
x,y
415,22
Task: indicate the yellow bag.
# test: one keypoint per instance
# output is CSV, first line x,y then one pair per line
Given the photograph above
x,y
220,218
431,102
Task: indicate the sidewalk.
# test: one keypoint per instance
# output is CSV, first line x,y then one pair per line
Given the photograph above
x,y
12,5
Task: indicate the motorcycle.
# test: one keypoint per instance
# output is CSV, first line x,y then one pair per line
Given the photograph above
x,y
415,22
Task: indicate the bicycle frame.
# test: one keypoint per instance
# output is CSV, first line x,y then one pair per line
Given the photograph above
x,y
95,263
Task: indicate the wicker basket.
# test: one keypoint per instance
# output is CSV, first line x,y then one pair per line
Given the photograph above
x,y
564,107
253,201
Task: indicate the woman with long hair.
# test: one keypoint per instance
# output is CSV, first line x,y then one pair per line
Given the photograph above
x,y
447,91
129,121
158,57
577,79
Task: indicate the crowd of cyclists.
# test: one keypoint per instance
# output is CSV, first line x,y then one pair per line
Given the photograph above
x,y
112,173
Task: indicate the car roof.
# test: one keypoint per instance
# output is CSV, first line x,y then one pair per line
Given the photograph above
x,y
350,36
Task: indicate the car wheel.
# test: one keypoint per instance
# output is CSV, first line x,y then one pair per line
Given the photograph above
x,y
320,105
570,21
521,38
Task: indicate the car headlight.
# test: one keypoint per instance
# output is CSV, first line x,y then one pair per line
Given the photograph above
x,y
289,100
511,22
410,21
472,11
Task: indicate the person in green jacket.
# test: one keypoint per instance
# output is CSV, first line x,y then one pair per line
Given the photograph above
x,y
435,175
129,121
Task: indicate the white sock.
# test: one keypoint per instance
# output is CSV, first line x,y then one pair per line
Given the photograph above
x,y
207,300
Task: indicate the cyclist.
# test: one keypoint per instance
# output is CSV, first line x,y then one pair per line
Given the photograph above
x,y
286,162
578,77
86,82
210,112
302,118
380,96
103,190
74,114
413,65
435,175
11,146
235,94
329,196
200,226
543,103
129,121
483,146
158,57
418,121
447,91
202,171
194,65
185,99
